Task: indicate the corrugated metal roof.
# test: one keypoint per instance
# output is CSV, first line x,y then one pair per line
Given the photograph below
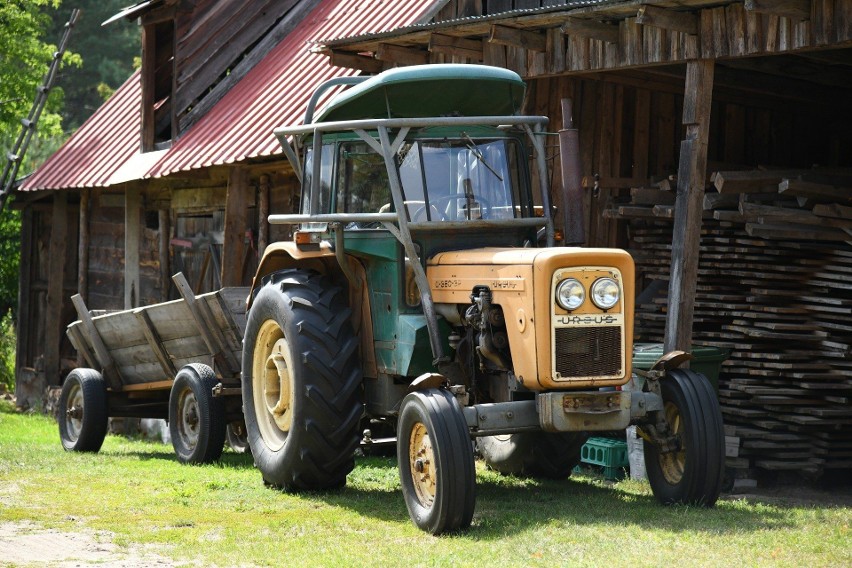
x,y
275,93
101,145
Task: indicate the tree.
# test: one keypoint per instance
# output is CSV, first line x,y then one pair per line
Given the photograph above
x,y
108,54
25,57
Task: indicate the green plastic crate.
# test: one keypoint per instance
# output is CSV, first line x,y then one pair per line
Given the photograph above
x,y
607,453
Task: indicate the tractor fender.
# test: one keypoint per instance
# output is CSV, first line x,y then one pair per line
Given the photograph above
x,y
285,254
671,360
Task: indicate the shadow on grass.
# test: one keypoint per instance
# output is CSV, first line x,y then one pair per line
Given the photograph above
x,y
229,459
507,504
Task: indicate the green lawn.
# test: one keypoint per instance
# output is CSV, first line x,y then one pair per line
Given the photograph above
x,y
223,515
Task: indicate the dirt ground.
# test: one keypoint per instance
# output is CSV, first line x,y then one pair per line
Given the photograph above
x,y
26,543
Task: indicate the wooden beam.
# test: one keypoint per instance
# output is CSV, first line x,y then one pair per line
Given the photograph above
x,y
155,343
456,46
691,178
132,234
505,35
23,326
53,323
685,22
83,244
355,61
236,219
263,213
401,55
109,370
164,222
794,9
207,328
590,29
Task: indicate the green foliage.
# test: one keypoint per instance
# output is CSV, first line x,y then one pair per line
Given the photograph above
x,y
10,249
25,56
108,54
7,351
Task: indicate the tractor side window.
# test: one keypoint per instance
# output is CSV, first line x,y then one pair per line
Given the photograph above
x,y
362,180
317,201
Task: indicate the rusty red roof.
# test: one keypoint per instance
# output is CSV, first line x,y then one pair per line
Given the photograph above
x,y
274,93
102,144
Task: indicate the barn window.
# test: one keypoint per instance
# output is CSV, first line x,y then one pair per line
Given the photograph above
x,y
158,61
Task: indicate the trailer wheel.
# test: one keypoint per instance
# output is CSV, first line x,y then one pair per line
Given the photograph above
x,y
693,473
196,417
83,413
537,454
301,382
436,466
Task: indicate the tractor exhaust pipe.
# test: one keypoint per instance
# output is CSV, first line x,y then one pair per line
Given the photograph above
x,y
572,179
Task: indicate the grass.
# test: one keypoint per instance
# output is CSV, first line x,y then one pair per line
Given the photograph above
x,y
223,515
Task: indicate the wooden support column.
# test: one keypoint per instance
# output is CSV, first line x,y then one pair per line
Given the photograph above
x,y
83,245
53,325
132,234
263,213
691,177
236,216
164,218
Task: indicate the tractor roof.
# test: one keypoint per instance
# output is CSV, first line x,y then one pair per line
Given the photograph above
x,y
430,90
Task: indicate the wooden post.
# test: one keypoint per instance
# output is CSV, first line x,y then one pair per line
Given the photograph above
x,y
83,245
165,257
132,206
236,215
25,284
263,213
55,289
691,177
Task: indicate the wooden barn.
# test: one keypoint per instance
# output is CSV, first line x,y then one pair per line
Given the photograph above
x,y
715,147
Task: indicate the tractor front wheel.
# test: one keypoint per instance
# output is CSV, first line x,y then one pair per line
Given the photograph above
x,y
436,466
692,471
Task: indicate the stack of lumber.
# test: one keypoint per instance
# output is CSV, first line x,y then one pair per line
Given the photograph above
x,y
775,287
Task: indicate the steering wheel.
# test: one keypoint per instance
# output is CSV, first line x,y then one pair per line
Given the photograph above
x,y
436,208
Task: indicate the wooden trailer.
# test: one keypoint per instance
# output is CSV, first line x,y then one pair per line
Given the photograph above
x,y
178,360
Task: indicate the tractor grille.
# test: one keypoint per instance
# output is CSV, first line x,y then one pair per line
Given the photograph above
x,y
588,351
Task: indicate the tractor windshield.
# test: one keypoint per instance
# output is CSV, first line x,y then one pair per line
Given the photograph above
x,y
442,180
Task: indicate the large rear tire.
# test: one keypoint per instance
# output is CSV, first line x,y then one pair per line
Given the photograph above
x,y
196,417
545,455
301,382
693,473
83,413
436,467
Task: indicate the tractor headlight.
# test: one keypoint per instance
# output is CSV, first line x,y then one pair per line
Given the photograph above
x,y
570,294
605,293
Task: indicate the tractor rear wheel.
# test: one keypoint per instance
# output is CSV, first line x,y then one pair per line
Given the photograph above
x,y
196,417
301,382
83,414
537,454
692,473
436,467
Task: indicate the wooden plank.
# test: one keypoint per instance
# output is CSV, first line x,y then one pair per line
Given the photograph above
x,y
401,55
505,35
590,29
209,332
55,290
812,190
155,342
363,63
751,181
75,335
456,46
686,22
83,244
108,369
794,9
698,96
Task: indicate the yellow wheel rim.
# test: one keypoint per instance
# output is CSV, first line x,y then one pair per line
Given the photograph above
x,y
672,463
423,467
272,385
